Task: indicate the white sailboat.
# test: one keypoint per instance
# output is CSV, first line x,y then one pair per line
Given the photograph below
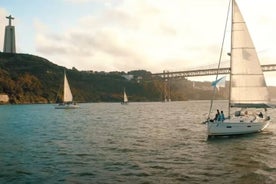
x,y
248,90
125,100
67,97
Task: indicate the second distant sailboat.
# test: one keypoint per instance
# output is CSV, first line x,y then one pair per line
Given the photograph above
x,y
125,98
67,97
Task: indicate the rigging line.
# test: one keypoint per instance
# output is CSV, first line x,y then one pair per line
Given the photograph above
x,y
220,56
58,93
60,86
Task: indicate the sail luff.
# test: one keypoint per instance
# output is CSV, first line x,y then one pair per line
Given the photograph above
x,y
67,94
248,85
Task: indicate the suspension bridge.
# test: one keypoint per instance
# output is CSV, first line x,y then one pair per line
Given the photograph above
x,y
167,75
204,72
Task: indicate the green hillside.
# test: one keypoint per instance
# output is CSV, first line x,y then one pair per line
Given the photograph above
x,y
31,79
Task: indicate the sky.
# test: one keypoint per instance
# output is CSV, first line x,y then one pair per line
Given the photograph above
x,y
125,35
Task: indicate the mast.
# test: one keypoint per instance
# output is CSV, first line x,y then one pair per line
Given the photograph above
x,y
230,78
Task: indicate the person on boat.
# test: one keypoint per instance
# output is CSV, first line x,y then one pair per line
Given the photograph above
x,y
221,116
217,116
261,115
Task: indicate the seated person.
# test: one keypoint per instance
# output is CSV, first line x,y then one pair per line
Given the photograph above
x,y
261,115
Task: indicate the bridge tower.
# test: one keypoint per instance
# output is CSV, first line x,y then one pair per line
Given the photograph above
x,y
9,41
167,86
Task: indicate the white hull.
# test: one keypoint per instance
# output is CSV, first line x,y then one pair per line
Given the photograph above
x,y
124,103
67,106
235,128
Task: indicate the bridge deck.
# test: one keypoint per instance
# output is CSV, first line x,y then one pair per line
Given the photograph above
x,y
205,72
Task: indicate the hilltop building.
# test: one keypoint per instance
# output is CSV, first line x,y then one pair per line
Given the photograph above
x,y
9,41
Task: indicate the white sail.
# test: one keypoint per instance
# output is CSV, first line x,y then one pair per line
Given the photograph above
x,y
248,86
125,97
67,95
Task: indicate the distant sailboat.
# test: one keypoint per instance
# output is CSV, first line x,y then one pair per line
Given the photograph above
x,y
67,97
125,100
248,90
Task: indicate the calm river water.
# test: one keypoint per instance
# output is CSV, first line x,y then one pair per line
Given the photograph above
x,y
135,143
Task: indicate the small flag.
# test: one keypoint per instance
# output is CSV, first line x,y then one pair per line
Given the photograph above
x,y
219,82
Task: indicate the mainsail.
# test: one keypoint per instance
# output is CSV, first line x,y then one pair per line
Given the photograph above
x,y
67,96
248,86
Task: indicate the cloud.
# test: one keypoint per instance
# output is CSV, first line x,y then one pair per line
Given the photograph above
x,y
145,34
107,3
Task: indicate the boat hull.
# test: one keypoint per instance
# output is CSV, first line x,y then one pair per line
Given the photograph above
x,y
235,128
67,106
